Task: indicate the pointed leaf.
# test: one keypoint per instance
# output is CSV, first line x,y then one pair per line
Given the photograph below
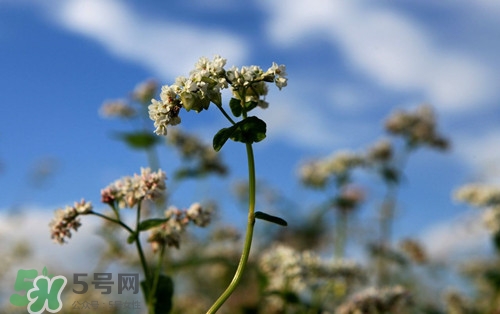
x,y
151,223
270,218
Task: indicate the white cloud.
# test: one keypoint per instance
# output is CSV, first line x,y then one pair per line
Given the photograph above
x,y
391,49
166,48
462,234
31,227
300,124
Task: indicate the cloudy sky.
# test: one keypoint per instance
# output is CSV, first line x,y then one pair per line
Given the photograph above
x,y
349,63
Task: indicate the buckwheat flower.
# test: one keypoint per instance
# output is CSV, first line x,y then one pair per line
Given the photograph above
x,y
152,183
145,91
293,271
393,300
480,195
278,72
314,174
491,219
83,207
284,268
212,68
67,219
166,111
169,233
198,215
341,268
118,109
418,127
381,151
343,161
319,172
129,191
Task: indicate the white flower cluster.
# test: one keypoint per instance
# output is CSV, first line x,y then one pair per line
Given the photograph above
x,y
289,269
317,173
484,196
285,267
481,195
129,191
117,109
144,91
385,300
67,219
381,151
169,233
417,127
204,86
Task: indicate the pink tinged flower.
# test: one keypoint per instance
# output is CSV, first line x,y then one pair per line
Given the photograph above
x,y
152,183
67,219
129,191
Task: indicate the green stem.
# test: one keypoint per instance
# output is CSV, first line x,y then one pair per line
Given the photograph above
x,y
248,237
119,222
156,278
144,264
138,244
226,115
341,231
387,219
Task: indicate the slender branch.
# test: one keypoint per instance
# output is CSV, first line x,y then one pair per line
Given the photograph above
x,y
248,237
156,276
119,222
139,246
226,115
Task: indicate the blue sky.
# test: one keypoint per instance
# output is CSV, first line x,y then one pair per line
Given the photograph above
x,y
350,63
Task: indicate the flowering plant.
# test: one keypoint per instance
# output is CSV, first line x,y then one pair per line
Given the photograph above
x,y
202,88
196,92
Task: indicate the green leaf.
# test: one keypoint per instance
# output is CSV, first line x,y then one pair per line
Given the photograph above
x,y
235,105
131,238
138,140
249,130
151,223
163,295
270,218
222,136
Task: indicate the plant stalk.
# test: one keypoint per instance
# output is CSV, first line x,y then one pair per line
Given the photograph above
x,y
248,237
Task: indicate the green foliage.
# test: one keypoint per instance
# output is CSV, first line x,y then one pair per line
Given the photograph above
x,y
163,295
270,218
140,140
151,223
249,130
